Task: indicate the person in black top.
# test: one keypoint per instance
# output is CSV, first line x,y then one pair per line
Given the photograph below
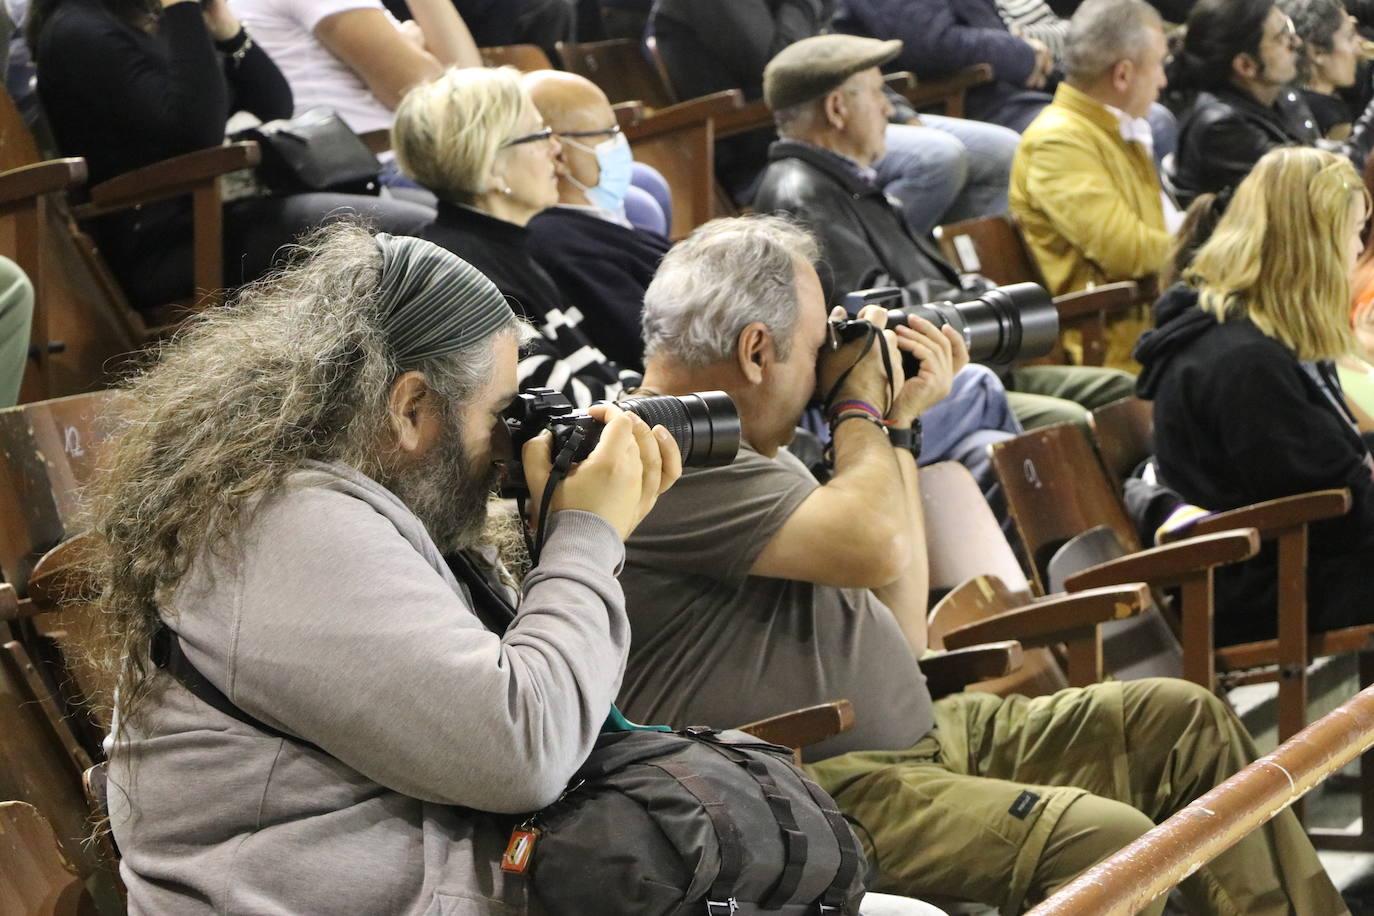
x,y
1327,62
600,261
1247,406
1229,86
127,83
475,139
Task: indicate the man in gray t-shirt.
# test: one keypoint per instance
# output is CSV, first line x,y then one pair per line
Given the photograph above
x,y
753,589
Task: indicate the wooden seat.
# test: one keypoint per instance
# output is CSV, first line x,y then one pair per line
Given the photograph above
x,y
1124,431
680,143
36,879
620,68
40,764
994,247
524,58
81,297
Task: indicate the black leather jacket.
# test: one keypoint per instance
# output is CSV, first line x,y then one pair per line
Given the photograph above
x,y
1224,133
863,237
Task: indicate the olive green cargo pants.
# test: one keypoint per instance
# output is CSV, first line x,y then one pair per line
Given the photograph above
x,y
1007,800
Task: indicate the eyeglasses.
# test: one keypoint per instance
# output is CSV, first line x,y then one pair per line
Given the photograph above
x,y
545,134
604,132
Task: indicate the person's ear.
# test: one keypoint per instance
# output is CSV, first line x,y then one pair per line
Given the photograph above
x,y
836,110
754,352
414,412
1122,73
1245,65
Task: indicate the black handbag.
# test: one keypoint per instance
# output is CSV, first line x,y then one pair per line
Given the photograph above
x,y
314,151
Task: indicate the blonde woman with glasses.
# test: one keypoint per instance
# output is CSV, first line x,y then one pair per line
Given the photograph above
x,y
1247,404
475,139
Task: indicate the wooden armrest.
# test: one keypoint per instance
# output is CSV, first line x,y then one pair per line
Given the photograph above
x,y
63,573
929,92
1266,652
1111,297
951,671
902,81
1272,516
749,117
686,113
29,181
1050,620
169,178
627,113
378,141
1171,564
801,727
11,608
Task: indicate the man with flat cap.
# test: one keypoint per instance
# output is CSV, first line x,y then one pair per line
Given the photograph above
x,y
328,688
826,94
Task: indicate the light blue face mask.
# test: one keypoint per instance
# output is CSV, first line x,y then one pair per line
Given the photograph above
x,y
616,162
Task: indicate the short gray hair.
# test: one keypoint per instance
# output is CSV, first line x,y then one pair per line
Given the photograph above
x,y
1103,32
726,275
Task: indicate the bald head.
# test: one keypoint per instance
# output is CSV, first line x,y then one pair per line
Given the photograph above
x,y
572,104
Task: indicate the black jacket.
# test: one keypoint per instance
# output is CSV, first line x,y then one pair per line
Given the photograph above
x,y
1239,420
602,269
560,356
1222,134
864,239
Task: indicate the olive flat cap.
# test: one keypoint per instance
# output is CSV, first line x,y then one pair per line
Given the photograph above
x,y
814,66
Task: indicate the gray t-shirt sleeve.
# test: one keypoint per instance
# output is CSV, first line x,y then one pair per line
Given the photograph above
x,y
722,518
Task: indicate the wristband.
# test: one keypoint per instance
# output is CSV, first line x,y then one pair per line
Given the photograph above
x,y
237,46
909,439
856,415
852,405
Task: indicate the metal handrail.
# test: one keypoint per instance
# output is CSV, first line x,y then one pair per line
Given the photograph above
x,y
1128,881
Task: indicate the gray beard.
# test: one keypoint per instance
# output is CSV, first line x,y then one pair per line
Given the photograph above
x,y
448,493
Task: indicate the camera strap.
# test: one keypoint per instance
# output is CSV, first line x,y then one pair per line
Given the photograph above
x,y
562,464
872,333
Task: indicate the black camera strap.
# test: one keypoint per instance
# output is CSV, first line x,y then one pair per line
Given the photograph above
x,y
871,333
562,465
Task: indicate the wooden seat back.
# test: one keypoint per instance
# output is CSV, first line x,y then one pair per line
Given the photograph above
x,y
1056,488
991,246
680,143
1125,434
620,68
48,450
963,538
36,879
524,58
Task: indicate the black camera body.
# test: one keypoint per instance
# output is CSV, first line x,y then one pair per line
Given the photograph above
x,y
1002,325
705,425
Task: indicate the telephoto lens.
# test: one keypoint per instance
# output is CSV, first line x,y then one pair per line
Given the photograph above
x,y
1003,325
705,425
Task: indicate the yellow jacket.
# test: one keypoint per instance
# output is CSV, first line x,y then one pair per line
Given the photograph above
x,y
1087,200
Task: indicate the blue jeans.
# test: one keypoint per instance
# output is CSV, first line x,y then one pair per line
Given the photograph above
x,y
947,169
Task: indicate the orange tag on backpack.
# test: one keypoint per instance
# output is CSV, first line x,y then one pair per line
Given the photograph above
x,y
517,856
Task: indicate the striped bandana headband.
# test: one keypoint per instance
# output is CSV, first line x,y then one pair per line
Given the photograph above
x,y
433,302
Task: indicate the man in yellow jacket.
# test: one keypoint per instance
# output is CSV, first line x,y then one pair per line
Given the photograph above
x,y
1083,183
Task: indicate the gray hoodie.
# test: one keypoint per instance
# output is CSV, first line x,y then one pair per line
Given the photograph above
x,y
336,620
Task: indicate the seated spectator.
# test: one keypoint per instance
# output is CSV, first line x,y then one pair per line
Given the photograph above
x,y
125,86
372,709
826,98
942,36
475,139
1229,85
16,318
599,261
942,169
752,589
1036,19
1327,61
1246,405
355,57
1084,188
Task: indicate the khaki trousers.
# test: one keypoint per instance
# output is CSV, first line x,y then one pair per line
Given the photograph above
x,y
1006,800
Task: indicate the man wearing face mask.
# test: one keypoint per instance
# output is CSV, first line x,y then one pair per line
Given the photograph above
x,y
601,263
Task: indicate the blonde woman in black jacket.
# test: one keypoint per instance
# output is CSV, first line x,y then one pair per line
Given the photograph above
x,y
1247,406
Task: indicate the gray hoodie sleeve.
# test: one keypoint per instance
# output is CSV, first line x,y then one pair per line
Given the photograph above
x,y
349,639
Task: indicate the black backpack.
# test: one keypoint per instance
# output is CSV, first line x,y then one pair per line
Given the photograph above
x,y
692,821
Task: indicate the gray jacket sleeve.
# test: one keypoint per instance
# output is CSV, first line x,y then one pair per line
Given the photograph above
x,y
353,642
